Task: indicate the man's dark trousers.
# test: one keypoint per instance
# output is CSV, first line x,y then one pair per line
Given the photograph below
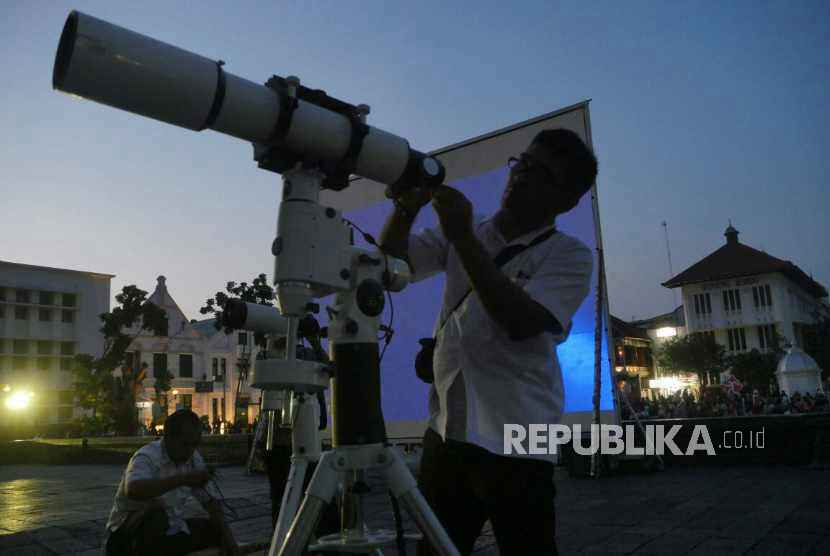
x,y
466,485
147,536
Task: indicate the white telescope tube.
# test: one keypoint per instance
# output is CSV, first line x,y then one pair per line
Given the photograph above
x,y
112,65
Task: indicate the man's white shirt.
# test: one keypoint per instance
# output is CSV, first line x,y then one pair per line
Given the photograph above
x,y
151,462
483,379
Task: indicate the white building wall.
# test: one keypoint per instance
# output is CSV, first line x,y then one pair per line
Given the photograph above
x,y
790,305
45,367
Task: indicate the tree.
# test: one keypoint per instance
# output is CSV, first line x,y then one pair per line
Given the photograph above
x,y
817,343
756,368
96,387
696,353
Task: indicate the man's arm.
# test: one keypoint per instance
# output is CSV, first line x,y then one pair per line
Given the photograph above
x,y
146,489
506,303
394,238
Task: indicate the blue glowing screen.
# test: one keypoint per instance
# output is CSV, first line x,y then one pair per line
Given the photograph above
x,y
416,307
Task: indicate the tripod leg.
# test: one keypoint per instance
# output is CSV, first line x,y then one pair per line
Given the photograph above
x,y
290,499
320,492
405,489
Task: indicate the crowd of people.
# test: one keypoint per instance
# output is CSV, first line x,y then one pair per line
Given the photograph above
x,y
716,402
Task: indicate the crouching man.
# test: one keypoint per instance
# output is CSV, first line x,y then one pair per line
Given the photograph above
x,y
147,516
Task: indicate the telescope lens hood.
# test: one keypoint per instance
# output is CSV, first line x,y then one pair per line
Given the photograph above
x,y
66,47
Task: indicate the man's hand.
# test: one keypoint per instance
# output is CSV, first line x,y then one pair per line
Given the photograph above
x,y
195,479
411,200
455,213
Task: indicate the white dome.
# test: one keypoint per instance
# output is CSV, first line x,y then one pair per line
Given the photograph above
x,y
796,361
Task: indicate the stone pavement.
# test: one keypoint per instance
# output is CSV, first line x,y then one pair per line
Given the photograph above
x,y
702,510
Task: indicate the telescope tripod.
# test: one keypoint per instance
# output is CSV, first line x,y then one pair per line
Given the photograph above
x,y
346,465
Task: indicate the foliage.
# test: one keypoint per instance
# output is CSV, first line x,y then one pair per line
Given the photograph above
x,y
696,353
112,399
817,343
258,291
754,368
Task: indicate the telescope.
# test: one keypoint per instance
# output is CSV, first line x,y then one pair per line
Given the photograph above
x,y
286,122
315,142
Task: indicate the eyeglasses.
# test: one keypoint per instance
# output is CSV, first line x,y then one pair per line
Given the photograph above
x,y
527,162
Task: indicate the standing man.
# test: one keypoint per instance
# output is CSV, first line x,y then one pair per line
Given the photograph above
x,y
147,517
495,360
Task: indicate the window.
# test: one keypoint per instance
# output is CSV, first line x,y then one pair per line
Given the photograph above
x,y
2,345
762,296
20,363
66,363
21,313
68,299
44,315
766,336
44,363
703,304
159,365
731,300
223,367
23,296
186,400
67,348
215,367
44,347
67,316
20,347
243,338
2,294
46,298
2,312
737,339
186,365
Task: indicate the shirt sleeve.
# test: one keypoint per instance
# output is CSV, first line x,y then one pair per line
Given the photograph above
x,y
427,253
563,282
208,492
141,467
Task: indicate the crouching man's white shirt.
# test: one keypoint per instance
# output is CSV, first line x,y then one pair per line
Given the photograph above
x,y
483,379
151,462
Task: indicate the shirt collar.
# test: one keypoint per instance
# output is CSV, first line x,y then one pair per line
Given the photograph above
x,y
521,240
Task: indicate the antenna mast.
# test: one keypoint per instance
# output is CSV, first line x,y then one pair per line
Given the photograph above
x,y
671,270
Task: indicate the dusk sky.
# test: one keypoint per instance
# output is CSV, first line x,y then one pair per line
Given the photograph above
x,y
701,113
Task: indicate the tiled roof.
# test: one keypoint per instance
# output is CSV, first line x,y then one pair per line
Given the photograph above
x,y
735,260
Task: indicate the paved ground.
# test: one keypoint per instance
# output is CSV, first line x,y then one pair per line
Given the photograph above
x,y
704,510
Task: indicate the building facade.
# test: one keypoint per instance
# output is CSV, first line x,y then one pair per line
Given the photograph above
x,y
746,298
205,365
47,315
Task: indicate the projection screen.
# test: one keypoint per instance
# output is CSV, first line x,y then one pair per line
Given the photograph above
x,y
478,168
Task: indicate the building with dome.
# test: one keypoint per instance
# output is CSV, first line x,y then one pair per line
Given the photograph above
x,y
744,297
205,365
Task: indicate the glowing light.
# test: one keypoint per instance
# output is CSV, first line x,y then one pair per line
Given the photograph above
x,y
19,401
665,383
175,392
666,332
7,388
